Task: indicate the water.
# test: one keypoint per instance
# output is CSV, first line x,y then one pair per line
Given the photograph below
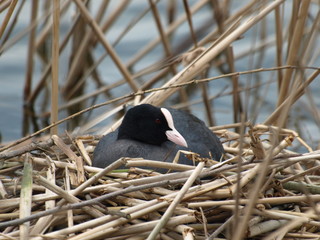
x,y
13,68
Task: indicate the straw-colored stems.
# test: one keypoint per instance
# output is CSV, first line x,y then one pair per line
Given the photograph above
x,y
31,52
70,212
281,232
145,208
294,95
25,197
256,145
293,51
110,227
265,226
271,201
173,26
67,196
42,223
7,17
95,178
165,218
303,173
279,42
3,191
237,105
97,30
148,226
112,16
73,157
263,168
164,38
220,229
302,187
189,17
55,65
165,43
82,42
45,73
201,62
282,145
14,202
157,164
245,179
83,152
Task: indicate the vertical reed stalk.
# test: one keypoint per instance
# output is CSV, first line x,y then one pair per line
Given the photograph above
x,y
279,42
55,66
99,33
7,17
166,216
286,84
28,80
25,197
220,19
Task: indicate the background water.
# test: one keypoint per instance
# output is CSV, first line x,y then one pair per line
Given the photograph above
x,y
260,104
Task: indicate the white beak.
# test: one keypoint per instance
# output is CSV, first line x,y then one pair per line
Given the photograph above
x,y
173,135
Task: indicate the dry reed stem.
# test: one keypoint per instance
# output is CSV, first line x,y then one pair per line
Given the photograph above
x,y
114,15
148,226
156,164
3,191
65,195
294,47
168,213
25,197
55,65
97,30
48,67
73,157
199,64
255,192
4,24
279,42
291,99
196,7
42,223
164,38
31,52
81,55
272,201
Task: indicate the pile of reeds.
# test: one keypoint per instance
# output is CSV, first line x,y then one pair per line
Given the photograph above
x,y
262,190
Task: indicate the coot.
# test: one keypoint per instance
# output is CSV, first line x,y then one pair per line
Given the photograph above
x,y
157,134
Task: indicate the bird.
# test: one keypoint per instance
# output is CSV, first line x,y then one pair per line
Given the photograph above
x,y
155,133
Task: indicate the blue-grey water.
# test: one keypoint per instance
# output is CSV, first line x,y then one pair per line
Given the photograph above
x,y
14,59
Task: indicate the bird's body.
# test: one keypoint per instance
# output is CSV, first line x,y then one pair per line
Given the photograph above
x,y
196,137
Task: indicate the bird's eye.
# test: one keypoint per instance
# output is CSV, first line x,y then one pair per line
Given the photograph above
x,y
158,121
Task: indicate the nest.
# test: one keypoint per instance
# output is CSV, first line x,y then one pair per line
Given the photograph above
x,y
260,190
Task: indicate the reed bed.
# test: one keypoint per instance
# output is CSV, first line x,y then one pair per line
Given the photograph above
x,y
265,187
49,190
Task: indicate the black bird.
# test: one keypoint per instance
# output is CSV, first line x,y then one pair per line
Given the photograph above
x,y
156,133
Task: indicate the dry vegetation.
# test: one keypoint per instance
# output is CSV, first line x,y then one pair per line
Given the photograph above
x,y
262,190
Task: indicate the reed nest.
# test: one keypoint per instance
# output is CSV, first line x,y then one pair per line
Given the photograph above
x,y
50,191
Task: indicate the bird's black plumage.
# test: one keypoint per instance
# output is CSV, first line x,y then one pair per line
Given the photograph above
x,y
144,123
142,134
